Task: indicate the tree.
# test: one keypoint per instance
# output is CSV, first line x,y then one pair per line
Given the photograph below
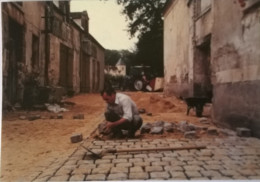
x,y
144,17
111,57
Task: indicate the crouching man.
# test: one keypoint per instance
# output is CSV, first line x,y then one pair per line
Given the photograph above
x,y
121,114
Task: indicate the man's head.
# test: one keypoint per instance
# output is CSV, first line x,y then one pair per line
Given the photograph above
x,y
108,95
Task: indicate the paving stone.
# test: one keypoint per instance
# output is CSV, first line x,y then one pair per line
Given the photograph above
x,y
96,177
239,177
178,175
173,168
125,156
138,176
134,160
117,176
81,171
192,168
212,131
78,177
247,172
63,171
243,132
87,166
213,167
119,161
221,178
229,173
106,165
195,162
142,164
213,162
254,177
136,169
192,174
160,175
124,164
156,155
160,163
152,159
153,168
59,178
210,173
140,156
119,170
190,134
103,161
109,157
101,170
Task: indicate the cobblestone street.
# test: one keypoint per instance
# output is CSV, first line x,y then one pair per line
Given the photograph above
x,y
224,158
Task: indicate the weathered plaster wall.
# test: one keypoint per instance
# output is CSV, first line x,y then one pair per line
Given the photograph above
x,y
178,54
34,26
101,59
236,65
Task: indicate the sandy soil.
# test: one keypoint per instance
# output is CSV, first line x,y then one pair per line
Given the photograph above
x,y
28,145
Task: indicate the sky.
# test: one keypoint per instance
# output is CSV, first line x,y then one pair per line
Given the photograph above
x,y
106,23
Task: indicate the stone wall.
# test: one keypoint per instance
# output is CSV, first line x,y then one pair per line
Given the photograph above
x,y
235,63
178,55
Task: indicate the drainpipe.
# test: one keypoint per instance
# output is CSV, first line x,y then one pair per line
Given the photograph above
x,y
194,39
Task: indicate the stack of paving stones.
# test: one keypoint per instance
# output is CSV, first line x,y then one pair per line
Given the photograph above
x,y
223,159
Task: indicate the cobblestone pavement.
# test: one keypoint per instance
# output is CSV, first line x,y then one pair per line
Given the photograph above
x,y
223,159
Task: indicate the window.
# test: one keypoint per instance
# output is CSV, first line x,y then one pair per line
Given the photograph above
x,y
202,6
35,51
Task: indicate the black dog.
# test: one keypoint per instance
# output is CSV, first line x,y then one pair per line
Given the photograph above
x,y
197,103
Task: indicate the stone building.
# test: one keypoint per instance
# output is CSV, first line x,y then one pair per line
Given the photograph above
x,y
211,49
44,46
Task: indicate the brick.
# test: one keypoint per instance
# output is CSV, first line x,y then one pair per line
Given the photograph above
x,y
152,159
160,163
124,164
199,178
178,175
243,132
160,175
101,170
140,156
213,167
125,156
95,177
119,161
153,168
63,171
213,162
254,177
156,155
119,170
194,162
210,173
192,168
143,164
117,176
76,138
78,177
81,171
134,160
173,168
106,165
88,166
221,178
59,178
192,174
139,176
136,169
247,172
103,161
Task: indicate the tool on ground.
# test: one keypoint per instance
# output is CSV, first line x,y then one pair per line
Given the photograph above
x,y
94,155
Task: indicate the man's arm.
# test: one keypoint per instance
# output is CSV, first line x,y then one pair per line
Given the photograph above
x,y
111,125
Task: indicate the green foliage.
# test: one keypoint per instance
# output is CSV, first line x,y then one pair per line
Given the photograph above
x,y
144,17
